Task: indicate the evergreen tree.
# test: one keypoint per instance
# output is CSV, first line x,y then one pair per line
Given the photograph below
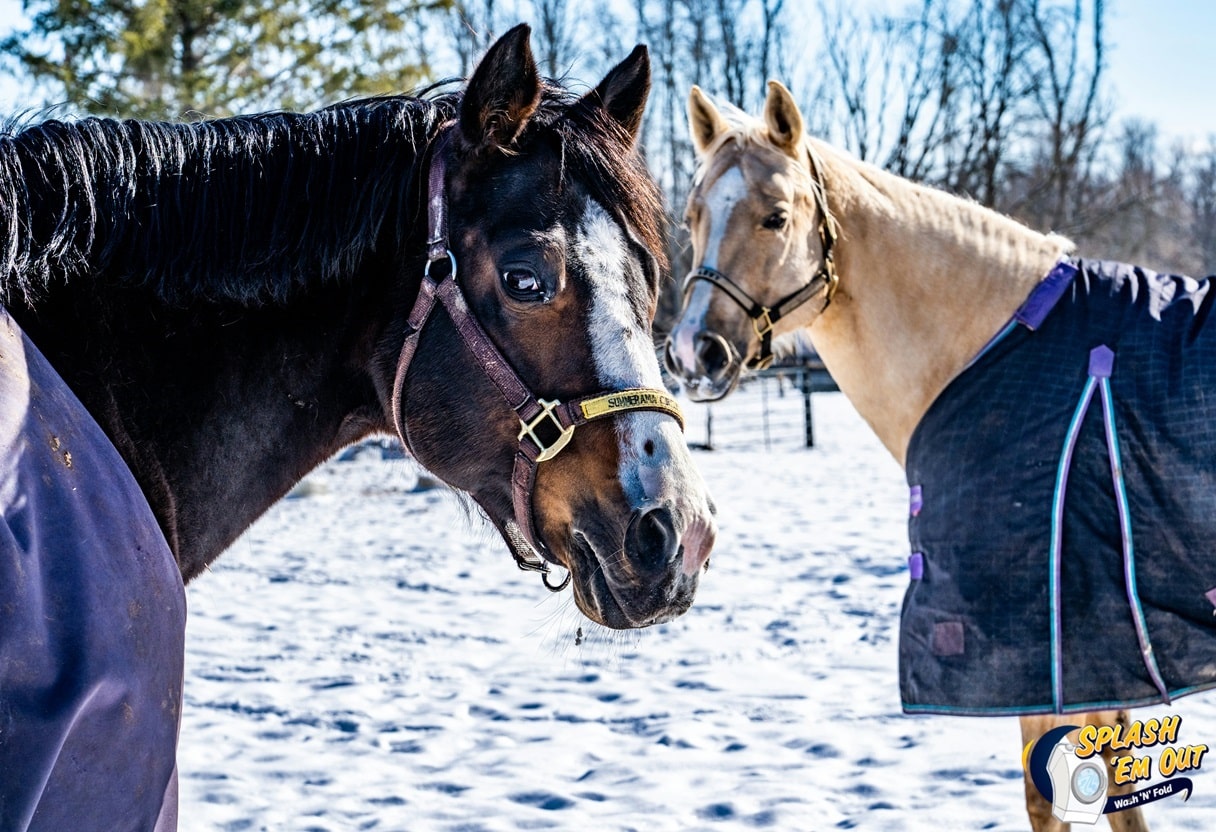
x,y
186,58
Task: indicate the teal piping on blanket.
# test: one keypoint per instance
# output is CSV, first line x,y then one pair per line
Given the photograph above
x,y
1034,310
1057,543
1074,708
992,342
1125,530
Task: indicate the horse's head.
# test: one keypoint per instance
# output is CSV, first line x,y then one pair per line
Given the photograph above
x,y
761,236
553,226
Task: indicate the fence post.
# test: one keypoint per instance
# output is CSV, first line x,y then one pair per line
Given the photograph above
x,y
764,410
807,418
709,428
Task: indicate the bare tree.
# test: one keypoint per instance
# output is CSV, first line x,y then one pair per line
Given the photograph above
x,y
471,27
553,36
1066,93
1202,199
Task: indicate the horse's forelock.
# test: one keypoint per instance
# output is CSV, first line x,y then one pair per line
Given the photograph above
x,y
598,151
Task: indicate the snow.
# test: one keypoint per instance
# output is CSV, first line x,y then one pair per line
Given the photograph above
x,y
368,656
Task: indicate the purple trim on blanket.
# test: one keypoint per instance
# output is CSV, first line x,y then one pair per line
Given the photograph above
x,y
916,500
1101,361
1125,525
916,568
1211,596
1045,295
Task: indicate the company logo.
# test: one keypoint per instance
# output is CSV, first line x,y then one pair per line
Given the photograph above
x,y
1076,778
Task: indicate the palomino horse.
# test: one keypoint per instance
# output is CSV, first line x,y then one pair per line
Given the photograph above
x,y
233,301
902,289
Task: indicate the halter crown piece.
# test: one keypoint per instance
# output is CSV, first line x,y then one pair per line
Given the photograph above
x,y
824,280
546,426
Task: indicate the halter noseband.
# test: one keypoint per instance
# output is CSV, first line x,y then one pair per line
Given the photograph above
x,y
546,426
765,317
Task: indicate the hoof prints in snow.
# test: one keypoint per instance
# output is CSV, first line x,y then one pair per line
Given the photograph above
x,y
366,657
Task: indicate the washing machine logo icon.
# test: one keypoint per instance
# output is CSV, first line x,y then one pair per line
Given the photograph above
x,y
1078,785
1089,783
1076,779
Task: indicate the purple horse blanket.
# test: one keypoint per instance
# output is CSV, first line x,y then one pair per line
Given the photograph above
x,y
92,619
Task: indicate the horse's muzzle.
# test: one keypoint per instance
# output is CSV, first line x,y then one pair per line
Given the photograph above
x,y
648,578
705,363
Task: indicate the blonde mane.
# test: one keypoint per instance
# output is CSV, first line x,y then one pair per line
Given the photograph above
x,y
748,131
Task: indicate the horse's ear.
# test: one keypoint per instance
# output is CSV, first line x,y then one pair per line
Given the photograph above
x,y
783,119
624,90
503,93
704,121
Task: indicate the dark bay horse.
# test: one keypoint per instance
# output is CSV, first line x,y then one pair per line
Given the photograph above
x,y
233,301
1026,593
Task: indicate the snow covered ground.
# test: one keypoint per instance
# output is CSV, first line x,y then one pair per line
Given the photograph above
x,y
368,657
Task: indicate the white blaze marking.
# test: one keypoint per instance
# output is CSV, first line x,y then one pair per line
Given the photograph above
x,y
691,322
621,348
720,202
624,356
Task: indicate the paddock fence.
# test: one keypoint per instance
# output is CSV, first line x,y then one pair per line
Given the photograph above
x,y
772,409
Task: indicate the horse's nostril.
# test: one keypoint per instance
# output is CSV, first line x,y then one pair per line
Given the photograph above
x,y
651,540
713,354
671,359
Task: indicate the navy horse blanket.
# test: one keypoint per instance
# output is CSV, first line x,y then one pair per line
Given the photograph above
x,y
1063,506
92,619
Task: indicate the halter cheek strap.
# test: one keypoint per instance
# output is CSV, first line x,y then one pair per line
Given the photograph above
x,y
546,426
764,317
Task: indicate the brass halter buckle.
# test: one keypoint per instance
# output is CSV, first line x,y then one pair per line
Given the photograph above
x,y
762,323
528,429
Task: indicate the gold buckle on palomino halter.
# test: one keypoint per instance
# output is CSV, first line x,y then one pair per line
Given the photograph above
x,y
762,323
564,435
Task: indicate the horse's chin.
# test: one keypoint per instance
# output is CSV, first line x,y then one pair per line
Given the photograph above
x,y
706,390
607,598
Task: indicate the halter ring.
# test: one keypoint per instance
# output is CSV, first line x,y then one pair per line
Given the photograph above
x,y
426,272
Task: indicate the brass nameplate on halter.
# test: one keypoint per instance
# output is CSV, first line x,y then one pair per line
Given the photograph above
x,y
642,398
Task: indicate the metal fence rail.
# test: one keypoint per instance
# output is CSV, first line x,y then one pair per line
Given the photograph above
x,y
771,407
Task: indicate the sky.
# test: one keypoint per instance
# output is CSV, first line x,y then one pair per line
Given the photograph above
x,y
1161,63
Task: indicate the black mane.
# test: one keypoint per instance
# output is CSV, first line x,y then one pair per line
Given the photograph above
x,y
241,208
247,208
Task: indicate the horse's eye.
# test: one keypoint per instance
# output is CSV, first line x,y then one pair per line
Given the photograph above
x,y
523,284
776,221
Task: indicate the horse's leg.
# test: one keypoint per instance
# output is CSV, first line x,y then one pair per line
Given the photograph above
x,y
1037,806
1129,820
1039,810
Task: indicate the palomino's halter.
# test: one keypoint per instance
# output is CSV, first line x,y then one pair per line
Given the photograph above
x,y
764,317
546,426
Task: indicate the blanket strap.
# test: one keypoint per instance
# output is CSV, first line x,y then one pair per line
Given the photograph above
x,y
1101,366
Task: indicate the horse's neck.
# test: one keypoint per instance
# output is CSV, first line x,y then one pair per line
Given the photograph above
x,y
218,399
926,279
219,414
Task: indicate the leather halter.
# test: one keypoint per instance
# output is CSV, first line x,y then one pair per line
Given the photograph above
x,y
765,317
546,426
